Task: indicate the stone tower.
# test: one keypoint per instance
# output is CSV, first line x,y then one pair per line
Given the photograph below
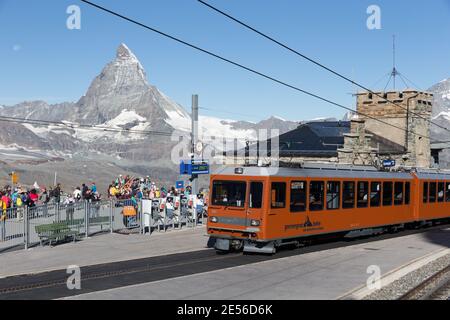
x,y
357,149
411,113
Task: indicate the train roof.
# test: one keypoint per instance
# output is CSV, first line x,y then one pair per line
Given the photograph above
x,y
433,174
316,172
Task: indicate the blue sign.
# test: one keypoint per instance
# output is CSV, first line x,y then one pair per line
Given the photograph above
x,y
388,163
179,184
191,167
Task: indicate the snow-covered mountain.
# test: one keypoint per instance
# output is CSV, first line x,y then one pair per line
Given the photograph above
x,y
441,110
120,97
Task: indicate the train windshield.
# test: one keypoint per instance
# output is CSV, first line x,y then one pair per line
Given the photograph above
x,y
229,193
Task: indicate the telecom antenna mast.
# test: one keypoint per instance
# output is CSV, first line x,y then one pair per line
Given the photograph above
x,y
394,73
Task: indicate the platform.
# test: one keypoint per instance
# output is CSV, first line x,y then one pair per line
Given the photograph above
x,y
178,265
100,249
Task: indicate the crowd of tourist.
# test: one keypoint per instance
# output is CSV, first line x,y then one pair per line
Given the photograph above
x,y
122,188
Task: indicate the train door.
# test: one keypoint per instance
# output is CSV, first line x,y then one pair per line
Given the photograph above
x,y
255,203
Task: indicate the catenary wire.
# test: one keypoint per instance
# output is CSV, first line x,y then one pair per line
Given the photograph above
x,y
316,62
245,67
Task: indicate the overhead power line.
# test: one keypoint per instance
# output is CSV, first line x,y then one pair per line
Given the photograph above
x,y
101,128
316,96
317,63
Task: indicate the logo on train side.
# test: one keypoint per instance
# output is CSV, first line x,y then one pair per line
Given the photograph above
x,y
308,225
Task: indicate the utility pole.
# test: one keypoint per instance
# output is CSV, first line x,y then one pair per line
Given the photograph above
x,y
194,139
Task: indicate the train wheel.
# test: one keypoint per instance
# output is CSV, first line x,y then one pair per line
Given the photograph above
x,y
237,245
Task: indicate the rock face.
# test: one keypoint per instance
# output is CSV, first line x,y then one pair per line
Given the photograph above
x,y
441,93
441,116
120,97
441,110
122,85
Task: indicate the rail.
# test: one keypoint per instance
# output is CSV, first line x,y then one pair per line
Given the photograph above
x,y
430,288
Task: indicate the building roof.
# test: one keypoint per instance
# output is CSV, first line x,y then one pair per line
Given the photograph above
x,y
320,139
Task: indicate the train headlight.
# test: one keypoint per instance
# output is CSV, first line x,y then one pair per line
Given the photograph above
x,y
214,219
255,223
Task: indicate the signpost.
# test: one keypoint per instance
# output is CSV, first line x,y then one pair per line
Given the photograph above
x,y
179,184
389,163
194,167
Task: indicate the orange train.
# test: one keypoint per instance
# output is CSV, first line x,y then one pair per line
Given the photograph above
x,y
260,209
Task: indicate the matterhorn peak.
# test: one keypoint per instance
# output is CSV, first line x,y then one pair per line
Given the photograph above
x,y
123,52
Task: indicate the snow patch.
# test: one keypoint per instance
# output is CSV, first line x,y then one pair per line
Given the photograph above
x,y
444,114
446,95
125,117
178,120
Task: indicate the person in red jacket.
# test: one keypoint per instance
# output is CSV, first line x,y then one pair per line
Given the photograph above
x,y
33,197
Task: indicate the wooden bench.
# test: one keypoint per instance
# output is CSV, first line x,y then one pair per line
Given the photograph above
x,y
95,221
55,231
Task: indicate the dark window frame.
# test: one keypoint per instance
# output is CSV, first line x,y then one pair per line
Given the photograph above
x,y
398,202
385,201
426,187
447,191
335,195
271,195
320,205
250,204
297,209
377,203
432,198
345,192
407,193
439,189
229,203
362,203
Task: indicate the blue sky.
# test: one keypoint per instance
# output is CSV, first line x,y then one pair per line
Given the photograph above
x,y
41,59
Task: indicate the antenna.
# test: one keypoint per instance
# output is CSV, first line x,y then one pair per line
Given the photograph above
x,y
394,68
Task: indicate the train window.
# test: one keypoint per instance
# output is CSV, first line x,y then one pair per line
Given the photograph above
x,y
316,189
348,195
441,190
333,194
375,194
398,193
407,192
447,192
433,191
387,193
256,195
298,196
363,194
425,192
278,195
229,193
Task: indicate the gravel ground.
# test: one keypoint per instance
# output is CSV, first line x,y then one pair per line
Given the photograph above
x,y
401,286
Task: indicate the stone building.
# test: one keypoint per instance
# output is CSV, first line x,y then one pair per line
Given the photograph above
x,y
398,130
381,130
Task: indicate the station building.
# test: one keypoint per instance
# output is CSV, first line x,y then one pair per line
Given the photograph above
x,y
393,125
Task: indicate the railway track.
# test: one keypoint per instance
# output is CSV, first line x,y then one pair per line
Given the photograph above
x,y
52,285
435,287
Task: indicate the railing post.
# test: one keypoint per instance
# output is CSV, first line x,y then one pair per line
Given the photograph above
x,y
26,227
86,219
141,214
111,211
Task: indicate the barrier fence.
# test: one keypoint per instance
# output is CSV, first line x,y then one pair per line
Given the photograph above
x,y
54,222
